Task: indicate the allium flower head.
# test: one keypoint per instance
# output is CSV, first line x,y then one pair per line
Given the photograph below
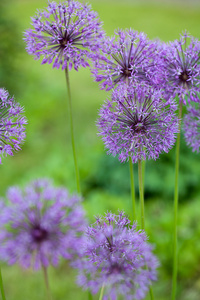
x,y
12,123
191,127
181,67
128,56
64,34
117,256
41,224
138,123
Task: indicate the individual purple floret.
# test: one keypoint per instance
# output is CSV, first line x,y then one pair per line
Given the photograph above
x,y
126,57
41,224
191,127
118,257
65,34
12,123
181,67
138,123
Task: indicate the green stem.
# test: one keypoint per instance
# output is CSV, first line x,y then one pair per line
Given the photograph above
x,y
151,293
90,296
72,131
1,287
141,192
101,293
46,280
132,176
132,188
175,256
141,167
143,173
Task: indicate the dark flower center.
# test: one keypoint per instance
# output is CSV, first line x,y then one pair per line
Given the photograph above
x,y
39,234
127,72
139,127
115,268
183,76
64,41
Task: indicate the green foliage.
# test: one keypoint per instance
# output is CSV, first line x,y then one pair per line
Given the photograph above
x,y
10,47
113,176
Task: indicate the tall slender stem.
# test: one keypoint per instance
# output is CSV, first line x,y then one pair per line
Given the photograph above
x,y
151,293
101,292
132,176
175,256
143,173
72,131
141,192
141,167
132,188
90,296
46,280
2,288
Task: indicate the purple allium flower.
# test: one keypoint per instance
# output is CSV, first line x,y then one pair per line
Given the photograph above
x,y
117,256
127,56
191,127
65,34
181,67
41,224
12,123
138,123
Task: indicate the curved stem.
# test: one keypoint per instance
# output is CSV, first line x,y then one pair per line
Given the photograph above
x,y
46,280
72,131
101,292
1,287
175,256
132,188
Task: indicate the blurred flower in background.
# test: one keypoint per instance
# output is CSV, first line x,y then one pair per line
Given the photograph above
x,y
40,225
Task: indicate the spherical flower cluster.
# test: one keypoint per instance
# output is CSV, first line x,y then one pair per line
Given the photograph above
x,y
118,257
181,67
64,34
12,123
138,123
127,57
40,225
191,127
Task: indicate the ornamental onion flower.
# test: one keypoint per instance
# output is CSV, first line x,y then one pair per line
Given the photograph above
x,y
181,67
138,122
127,56
118,257
64,34
40,225
12,122
191,127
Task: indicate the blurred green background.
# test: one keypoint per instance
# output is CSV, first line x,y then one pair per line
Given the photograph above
x,y
105,181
